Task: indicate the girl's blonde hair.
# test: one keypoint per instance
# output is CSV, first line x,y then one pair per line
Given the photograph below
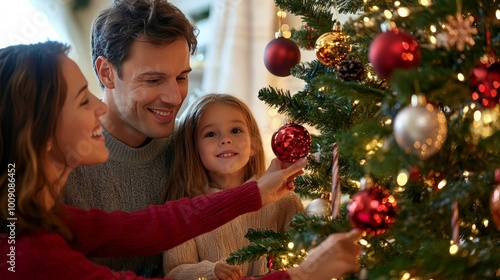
x,y
187,176
32,94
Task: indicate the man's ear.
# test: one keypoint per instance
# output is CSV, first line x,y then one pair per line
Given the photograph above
x,y
106,72
49,145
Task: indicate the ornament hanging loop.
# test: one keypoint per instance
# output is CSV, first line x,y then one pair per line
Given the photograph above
x,y
459,7
418,100
337,27
335,13
387,26
366,183
281,15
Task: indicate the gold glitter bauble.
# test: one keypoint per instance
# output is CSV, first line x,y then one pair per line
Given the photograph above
x,y
331,47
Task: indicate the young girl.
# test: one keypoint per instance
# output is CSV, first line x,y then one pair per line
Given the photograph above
x,y
50,125
218,145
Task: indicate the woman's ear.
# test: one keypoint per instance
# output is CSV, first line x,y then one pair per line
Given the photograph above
x,y
105,71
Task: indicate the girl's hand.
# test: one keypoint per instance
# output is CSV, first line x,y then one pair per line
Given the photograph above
x,y
277,181
225,271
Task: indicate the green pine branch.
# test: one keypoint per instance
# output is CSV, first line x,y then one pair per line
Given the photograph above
x,y
359,116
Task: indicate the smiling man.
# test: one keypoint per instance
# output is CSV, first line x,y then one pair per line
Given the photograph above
x,y
140,51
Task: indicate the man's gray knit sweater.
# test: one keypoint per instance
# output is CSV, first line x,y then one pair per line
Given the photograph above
x,y
132,179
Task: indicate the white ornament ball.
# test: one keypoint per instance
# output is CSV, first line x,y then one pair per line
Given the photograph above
x,y
319,207
420,130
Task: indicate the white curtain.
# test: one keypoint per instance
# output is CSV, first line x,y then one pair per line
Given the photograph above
x,y
234,61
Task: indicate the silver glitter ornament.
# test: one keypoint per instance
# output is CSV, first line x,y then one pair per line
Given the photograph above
x,y
319,207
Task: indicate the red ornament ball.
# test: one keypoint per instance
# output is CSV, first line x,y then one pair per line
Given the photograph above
x,y
393,49
291,142
372,210
495,206
280,55
485,84
414,173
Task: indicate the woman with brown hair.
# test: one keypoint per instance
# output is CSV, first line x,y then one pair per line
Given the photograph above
x,y
50,125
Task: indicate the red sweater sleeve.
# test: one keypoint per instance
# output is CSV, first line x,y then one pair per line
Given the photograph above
x,y
157,228
278,275
43,255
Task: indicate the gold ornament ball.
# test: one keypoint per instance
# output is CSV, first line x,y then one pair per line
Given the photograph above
x,y
318,207
331,48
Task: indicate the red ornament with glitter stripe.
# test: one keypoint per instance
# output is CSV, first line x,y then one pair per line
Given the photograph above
x,y
291,142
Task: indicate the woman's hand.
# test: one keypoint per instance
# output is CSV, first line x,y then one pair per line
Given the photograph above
x,y
334,257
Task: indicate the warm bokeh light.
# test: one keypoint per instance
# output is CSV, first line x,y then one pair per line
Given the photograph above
x,y
402,178
460,77
403,12
388,14
425,3
453,249
442,184
486,222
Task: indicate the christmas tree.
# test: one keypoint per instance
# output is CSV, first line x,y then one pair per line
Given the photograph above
x,y
405,98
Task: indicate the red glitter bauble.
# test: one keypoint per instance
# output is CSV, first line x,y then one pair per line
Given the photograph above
x,y
485,84
280,55
372,210
291,142
393,49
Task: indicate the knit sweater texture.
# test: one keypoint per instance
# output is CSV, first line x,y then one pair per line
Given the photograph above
x,y
132,179
44,255
196,258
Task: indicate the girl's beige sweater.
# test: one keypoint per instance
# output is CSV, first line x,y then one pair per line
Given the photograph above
x,y
196,258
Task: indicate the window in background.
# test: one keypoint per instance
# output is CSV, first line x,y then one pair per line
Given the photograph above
x,y
23,24
198,13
